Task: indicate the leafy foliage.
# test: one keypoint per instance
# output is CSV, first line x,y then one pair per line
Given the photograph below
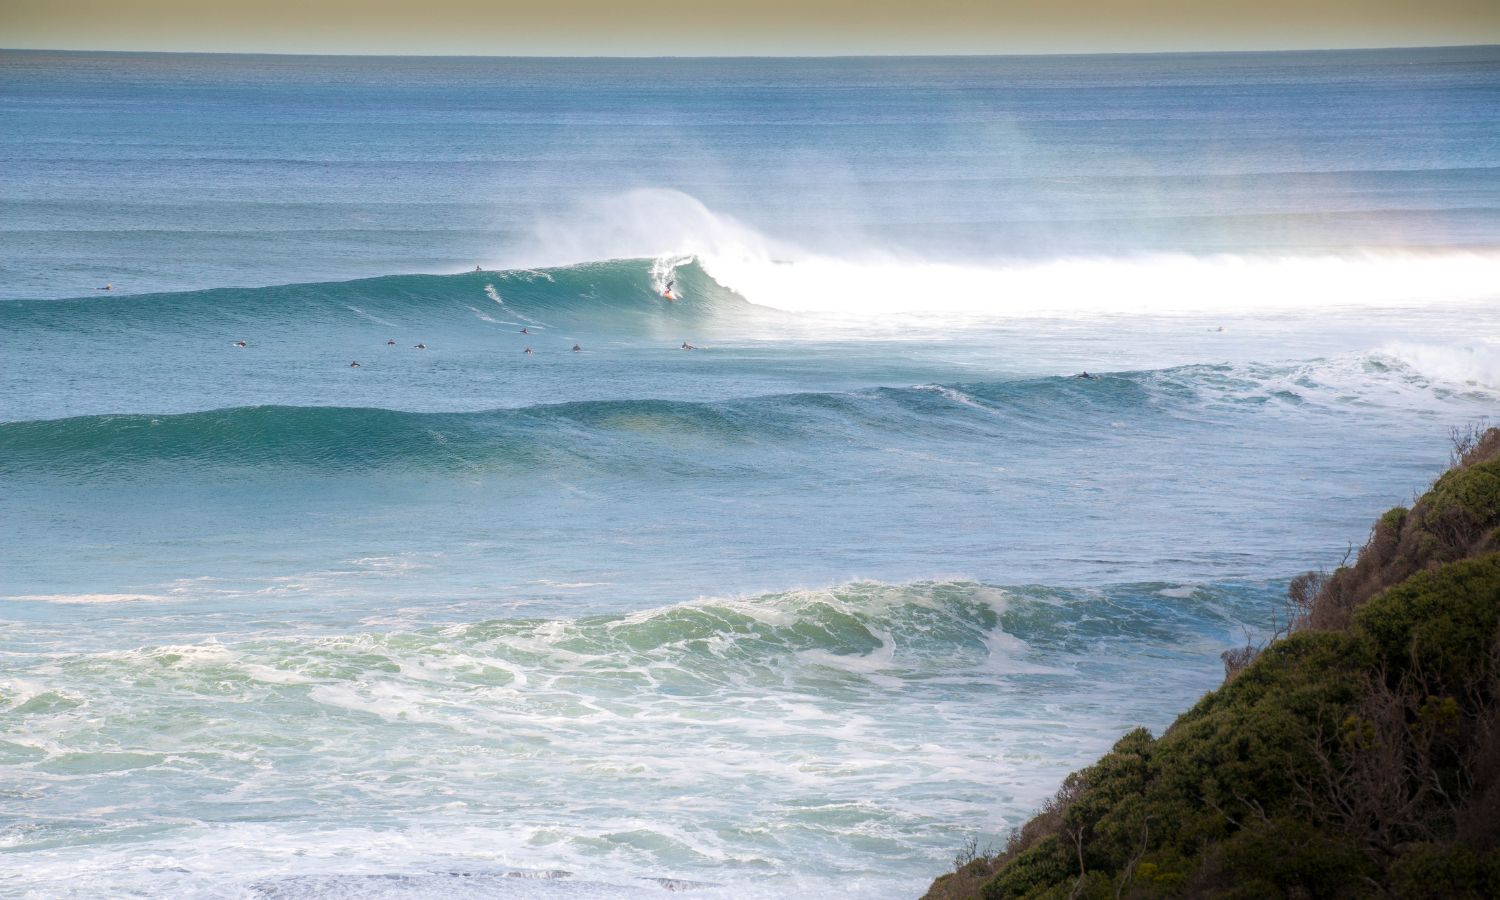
x,y
1358,755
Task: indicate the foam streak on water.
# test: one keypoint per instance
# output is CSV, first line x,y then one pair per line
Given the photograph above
x,y
772,740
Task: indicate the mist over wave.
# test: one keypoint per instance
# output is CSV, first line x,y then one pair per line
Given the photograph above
x,y
606,263
865,279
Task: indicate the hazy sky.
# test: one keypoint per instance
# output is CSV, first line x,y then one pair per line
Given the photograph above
x,y
750,27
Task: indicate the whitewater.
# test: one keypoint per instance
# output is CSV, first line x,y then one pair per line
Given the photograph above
x,y
798,611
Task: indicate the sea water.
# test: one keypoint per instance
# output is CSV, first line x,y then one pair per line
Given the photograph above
x,y
797,612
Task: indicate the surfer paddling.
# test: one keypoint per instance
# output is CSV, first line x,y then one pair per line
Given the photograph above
x,y
238,343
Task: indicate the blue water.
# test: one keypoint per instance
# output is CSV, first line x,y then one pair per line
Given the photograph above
x,y
795,612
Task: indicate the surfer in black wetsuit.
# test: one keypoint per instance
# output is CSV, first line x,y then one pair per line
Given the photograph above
x,y
390,343
528,351
1084,375
420,347
687,346
524,331
239,343
576,348
354,365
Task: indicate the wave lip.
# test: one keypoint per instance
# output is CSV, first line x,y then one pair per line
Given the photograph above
x,y
619,296
606,266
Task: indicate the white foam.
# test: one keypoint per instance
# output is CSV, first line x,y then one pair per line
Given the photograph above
x,y
1474,364
1166,284
664,270
952,394
483,316
86,598
373,318
708,741
864,280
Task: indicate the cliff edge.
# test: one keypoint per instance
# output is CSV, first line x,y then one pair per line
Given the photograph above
x,y
1356,754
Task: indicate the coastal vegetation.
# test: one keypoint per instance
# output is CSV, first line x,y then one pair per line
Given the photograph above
x,y
1354,754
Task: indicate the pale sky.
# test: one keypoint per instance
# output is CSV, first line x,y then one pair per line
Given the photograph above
x,y
740,27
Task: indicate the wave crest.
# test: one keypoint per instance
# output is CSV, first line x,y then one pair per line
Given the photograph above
x,y
863,279
693,437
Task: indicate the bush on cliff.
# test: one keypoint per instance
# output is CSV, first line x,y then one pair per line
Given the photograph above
x,y
1357,756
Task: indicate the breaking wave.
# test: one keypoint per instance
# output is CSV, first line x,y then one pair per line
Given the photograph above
x,y
669,435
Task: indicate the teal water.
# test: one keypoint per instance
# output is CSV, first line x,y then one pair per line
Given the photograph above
x,y
795,612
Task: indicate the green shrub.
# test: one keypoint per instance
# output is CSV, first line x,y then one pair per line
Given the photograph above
x,y
1451,871
1438,625
1297,858
1049,862
1311,769
1473,491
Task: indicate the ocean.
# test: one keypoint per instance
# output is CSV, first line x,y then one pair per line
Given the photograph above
x,y
789,586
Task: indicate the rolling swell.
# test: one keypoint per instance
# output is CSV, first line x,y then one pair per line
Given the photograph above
x,y
618,434
688,437
337,438
616,295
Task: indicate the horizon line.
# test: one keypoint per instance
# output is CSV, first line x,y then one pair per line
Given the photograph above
x,y
743,56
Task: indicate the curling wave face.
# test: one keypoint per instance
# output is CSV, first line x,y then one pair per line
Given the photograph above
x,y
682,437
